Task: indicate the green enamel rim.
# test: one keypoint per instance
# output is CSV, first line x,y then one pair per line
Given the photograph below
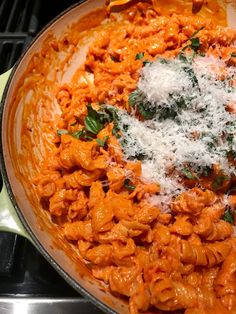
x,y
9,220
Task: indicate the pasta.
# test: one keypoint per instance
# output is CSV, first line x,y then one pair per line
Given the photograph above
x,y
164,252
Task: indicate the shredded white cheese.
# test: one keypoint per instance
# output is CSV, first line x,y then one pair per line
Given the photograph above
x,y
171,79
196,135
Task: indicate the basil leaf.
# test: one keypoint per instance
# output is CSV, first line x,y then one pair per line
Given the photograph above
x,y
195,43
93,125
145,112
139,56
78,134
92,121
92,113
129,186
60,132
133,97
103,142
115,131
188,174
228,216
192,76
107,115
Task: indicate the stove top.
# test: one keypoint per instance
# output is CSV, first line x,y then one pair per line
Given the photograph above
x,y
28,284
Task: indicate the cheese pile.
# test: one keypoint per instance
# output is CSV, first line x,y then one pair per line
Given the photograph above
x,y
201,134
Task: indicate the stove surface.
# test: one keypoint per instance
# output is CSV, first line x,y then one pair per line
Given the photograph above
x,y
28,284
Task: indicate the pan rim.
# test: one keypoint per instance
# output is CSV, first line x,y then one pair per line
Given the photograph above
x,y
70,280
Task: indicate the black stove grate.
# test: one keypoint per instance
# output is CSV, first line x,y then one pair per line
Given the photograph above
x,y
27,273
19,16
8,242
11,47
19,22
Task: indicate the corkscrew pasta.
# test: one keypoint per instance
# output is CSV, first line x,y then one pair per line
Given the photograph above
x,y
177,254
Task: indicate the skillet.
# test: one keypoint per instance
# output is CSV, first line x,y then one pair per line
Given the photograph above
x,y
19,212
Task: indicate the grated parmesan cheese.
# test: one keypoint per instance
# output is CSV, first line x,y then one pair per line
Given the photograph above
x,y
171,80
169,144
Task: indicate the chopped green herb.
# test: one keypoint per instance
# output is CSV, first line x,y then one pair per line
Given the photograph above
x,y
139,56
103,142
112,113
92,125
78,134
92,122
92,113
233,154
140,156
136,99
125,127
115,131
206,171
195,43
192,75
228,216
145,112
133,98
145,62
60,132
128,185
188,174
230,138
219,181
163,61
182,57
107,115
233,55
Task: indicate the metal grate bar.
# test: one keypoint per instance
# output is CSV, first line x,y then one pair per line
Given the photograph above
x,y
8,250
34,21
11,48
4,9
19,16
26,12
12,15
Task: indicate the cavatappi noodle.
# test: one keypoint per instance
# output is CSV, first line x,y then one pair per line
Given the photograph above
x,y
183,258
